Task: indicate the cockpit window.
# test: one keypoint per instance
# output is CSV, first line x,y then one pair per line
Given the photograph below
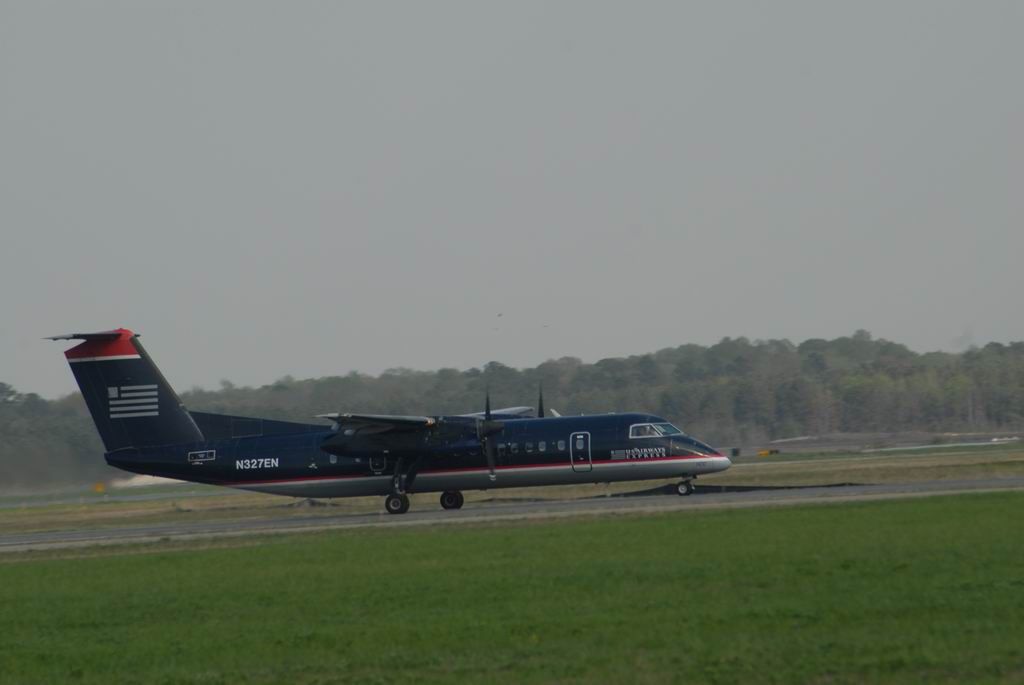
x,y
653,430
667,429
643,430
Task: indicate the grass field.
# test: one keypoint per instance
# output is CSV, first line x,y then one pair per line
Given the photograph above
x,y
914,591
997,461
937,462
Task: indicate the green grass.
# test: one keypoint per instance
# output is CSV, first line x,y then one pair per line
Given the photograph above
x,y
788,455
927,590
902,467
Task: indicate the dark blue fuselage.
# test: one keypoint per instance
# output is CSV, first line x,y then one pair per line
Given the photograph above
x,y
328,463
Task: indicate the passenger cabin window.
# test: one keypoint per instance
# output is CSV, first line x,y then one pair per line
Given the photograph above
x,y
561,445
541,446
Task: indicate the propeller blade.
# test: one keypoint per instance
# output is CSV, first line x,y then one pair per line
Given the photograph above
x,y
489,451
540,402
484,429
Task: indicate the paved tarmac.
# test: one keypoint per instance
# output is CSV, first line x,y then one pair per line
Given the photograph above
x,y
498,510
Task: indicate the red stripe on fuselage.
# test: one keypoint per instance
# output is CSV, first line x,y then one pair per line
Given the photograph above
x,y
466,469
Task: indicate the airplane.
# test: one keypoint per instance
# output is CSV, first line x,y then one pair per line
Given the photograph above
x,y
146,429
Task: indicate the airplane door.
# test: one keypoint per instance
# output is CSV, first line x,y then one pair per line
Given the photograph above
x,y
579,452
378,462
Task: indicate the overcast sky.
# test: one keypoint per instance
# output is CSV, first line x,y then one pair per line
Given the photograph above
x,y
310,188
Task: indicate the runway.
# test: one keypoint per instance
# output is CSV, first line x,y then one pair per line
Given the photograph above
x,y
498,510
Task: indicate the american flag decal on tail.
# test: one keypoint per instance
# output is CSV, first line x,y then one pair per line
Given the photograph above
x,y
133,401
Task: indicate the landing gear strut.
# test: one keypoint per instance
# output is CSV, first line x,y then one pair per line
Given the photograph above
x,y
405,473
397,503
452,499
685,487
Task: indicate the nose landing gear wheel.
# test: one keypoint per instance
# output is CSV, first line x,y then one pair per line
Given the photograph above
x,y
685,488
452,499
396,504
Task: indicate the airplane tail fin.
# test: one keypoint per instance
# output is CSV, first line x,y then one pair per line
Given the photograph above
x,y
131,402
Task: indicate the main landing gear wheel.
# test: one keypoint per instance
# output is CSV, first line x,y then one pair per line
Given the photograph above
x,y
685,487
452,499
396,504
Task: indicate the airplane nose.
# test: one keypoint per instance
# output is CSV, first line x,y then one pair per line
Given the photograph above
x,y
722,461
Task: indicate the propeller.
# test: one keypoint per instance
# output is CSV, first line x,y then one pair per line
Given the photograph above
x,y
540,402
484,429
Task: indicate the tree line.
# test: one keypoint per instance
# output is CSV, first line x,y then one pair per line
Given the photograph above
x,y
734,392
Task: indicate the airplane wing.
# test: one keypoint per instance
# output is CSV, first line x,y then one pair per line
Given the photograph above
x,y
507,412
380,423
